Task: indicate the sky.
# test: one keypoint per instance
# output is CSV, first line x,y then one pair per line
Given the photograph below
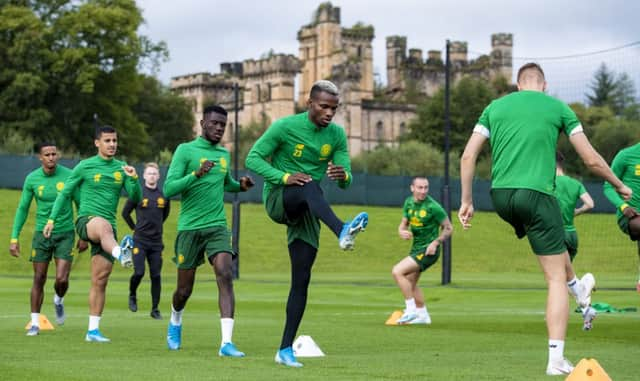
x,y
201,34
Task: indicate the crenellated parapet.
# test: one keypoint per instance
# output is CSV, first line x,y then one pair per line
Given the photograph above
x,y
286,64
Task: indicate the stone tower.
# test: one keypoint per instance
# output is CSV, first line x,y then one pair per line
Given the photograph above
x,y
325,44
396,56
501,54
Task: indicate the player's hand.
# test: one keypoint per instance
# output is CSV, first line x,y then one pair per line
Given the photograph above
x,y
630,212
625,192
246,182
465,214
129,170
298,179
205,167
432,248
48,228
405,234
14,249
82,245
336,172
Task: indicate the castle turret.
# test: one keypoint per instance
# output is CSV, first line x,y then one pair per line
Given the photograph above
x,y
396,56
458,53
501,55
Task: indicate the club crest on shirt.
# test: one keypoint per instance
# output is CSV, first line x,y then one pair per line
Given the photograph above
x,y
325,151
117,177
422,213
160,202
59,186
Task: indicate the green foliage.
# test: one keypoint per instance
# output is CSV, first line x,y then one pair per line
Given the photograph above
x,y
410,158
468,98
167,116
607,89
64,61
164,157
16,143
248,135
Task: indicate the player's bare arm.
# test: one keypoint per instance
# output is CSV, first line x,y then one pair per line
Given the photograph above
x,y
467,172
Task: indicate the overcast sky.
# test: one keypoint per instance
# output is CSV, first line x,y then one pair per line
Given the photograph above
x,y
201,34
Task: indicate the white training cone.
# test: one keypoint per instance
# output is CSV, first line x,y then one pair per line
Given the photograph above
x,y
304,346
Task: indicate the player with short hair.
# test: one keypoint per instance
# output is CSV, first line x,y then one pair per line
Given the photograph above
x,y
523,128
626,165
293,156
569,191
43,185
200,173
100,179
426,222
151,212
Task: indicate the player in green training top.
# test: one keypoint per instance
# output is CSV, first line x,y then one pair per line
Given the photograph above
x,y
44,184
200,173
100,180
569,191
523,128
626,165
293,156
424,220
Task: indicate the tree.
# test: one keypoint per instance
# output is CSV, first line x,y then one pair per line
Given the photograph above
x,y
607,90
63,61
468,98
167,116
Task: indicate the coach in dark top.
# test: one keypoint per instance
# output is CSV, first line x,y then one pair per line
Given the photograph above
x,y
151,212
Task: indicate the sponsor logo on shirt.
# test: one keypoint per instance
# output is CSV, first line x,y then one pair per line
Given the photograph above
x,y
97,177
145,202
637,169
297,151
40,190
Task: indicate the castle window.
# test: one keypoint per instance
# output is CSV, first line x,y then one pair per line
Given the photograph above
x,y
359,51
379,131
257,97
403,128
268,91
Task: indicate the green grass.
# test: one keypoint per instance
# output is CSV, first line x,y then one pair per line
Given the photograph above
x,y
487,325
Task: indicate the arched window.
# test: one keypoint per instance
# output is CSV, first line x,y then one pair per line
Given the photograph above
x,y
379,131
403,129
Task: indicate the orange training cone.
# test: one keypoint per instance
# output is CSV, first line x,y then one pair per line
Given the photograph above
x,y
394,318
588,370
45,324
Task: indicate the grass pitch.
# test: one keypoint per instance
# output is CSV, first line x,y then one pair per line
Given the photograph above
x,y
487,325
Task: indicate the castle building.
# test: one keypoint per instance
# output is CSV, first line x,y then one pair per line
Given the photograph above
x,y
327,50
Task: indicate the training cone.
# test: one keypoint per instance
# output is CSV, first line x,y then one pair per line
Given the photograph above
x,y
304,346
45,324
588,370
393,319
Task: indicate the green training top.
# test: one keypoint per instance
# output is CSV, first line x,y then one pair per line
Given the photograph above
x,y
295,144
626,165
100,182
425,218
568,191
44,188
202,204
523,129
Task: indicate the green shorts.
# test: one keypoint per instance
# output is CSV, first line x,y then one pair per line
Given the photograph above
x,y
623,224
534,214
59,245
193,245
571,241
423,260
96,248
305,228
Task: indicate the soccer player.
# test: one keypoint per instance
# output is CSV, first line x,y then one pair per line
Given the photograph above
x,y
626,165
424,220
568,191
293,156
199,172
44,184
523,129
151,213
100,179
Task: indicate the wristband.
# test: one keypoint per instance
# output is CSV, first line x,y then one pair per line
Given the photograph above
x,y
623,207
14,240
285,178
49,222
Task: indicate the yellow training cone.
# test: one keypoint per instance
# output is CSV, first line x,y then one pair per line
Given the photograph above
x,y
588,370
45,324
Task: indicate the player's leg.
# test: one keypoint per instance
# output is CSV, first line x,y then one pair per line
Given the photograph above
x,y
638,284
63,257
184,288
100,270
222,267
139,254
99,230
421,306
298,199
302,256
154,258
37,295
404,275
